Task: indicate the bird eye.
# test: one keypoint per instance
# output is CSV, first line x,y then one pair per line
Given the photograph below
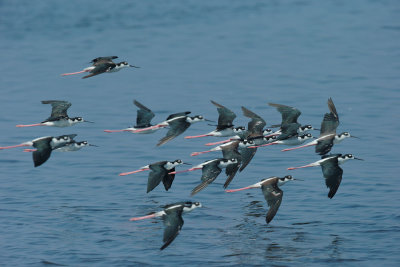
x,y
200,117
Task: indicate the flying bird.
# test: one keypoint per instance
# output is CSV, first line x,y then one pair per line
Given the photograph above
x,y
271,191
59,116
143,120
102,65
331,170
172,217
159,171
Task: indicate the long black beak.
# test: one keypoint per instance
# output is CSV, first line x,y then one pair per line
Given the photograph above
x,y
357,158
298,179
209,120
186,163
355,136
93,145
317,129
88,121
134,66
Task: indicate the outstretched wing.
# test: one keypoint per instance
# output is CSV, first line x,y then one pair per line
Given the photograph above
x,y
256,125
289,114
58,108
144,115
333,175
177,127
210,172
225,118
43,151
155,176
173,223
99,60
273,195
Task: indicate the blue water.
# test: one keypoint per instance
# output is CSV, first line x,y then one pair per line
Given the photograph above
x,y
75,209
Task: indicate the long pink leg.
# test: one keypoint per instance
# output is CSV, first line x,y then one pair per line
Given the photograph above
x,y
73,73
143,217
115,131
197,136
240,189
189,170
30,150
126,173
219,142
7,147
30,125
305,166
150,128
199,153
293,148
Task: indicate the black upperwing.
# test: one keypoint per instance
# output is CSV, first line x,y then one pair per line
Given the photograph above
x,y
173,223
144,115
58,108
225,118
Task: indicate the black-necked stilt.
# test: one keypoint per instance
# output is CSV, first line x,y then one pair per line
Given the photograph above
x,y
160,171
102,65
225,127
172,217
330,169
210,171
272,193
143,120
59,116
292,141
289,126
44,146
73,146
328,136
178,123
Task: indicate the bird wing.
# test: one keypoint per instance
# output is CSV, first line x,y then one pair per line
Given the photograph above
x,y
42,152
273,196
173,223
177,127
247,155
144,115
179,114
330,121
156,175
226,116
168,179
231,152
99,60
333,175
289,114
210,172
324,145
256,124
58,108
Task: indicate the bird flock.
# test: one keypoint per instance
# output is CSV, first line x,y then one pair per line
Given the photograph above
x,y
237,150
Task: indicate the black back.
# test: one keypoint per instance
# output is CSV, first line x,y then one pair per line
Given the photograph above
x,y
58,108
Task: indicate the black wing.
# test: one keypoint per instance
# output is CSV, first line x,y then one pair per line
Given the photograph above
x,y
58,108
256,125
289,114
173,223
156,175
231,152
210,172
99,60
247,155
144,115
273,195
177,127
43,151
333,175
225,118
168,179
179,114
